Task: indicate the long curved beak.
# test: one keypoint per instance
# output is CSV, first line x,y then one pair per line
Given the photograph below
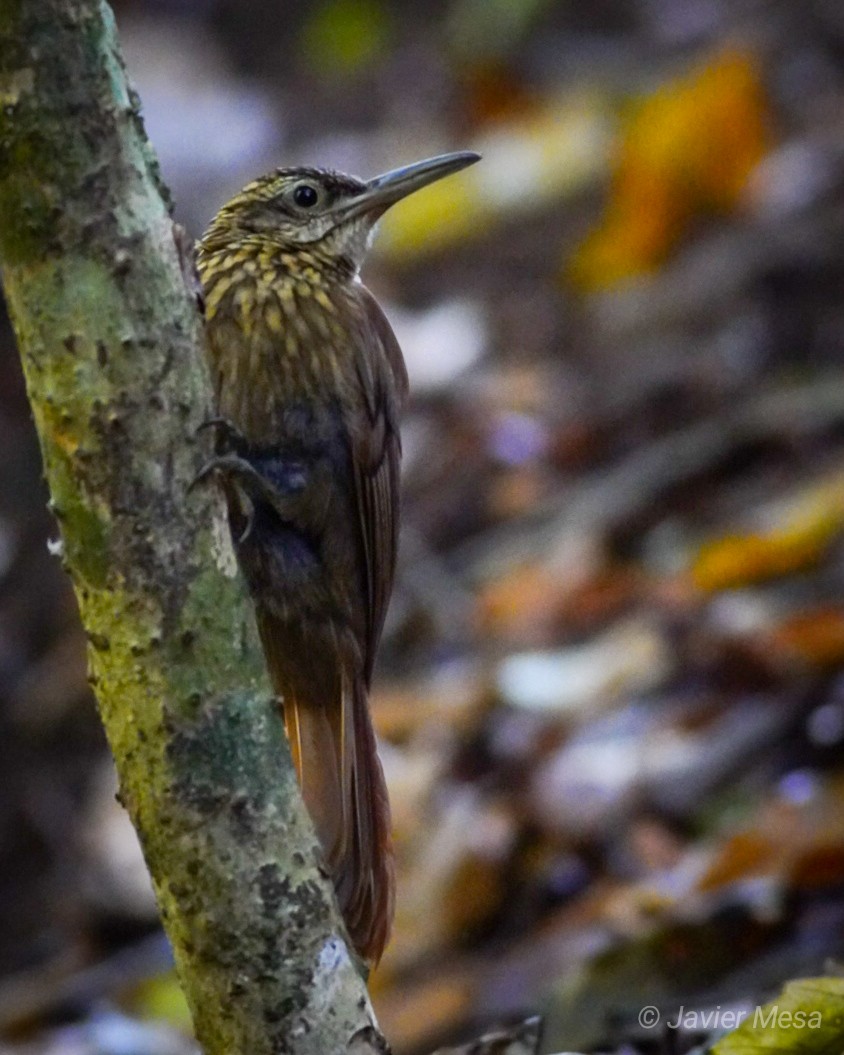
x,y
383,191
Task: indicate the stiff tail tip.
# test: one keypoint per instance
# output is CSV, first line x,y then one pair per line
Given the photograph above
x,y
336,758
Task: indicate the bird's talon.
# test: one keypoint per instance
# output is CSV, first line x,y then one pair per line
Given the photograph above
x,y
225,432
247,531
251,480
201,476
227,463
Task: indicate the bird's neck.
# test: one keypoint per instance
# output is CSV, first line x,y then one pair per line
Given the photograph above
x,y
254,270
226,250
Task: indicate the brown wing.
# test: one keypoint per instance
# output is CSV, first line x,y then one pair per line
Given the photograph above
x,y
376,455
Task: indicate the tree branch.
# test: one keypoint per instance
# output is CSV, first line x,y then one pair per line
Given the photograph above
x,y
110,340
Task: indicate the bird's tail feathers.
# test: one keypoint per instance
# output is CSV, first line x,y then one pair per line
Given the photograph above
x,y
336,758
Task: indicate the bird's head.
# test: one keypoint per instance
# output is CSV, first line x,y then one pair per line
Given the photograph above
x,y
320,210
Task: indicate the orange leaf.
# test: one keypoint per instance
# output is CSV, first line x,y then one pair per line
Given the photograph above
x,y
817,637
686,151
743,855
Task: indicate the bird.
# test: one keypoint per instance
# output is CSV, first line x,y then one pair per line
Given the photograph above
x,y
309,385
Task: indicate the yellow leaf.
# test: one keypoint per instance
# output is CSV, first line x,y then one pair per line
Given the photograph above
x,y
740,560
342,37
686,151
544,156
807,1018
432,218
799,539
160,997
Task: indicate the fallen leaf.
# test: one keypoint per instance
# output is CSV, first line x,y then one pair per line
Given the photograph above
x,y
802,530
739,560
807,1018
743,855
540,158
815,637
686,151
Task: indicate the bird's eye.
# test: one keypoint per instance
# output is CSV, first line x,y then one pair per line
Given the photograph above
x,y
305,196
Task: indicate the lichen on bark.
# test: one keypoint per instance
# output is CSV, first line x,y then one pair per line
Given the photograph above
x,y
111,343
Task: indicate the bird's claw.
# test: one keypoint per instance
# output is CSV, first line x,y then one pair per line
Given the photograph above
x,y
226,433
201,476
254,484
231,465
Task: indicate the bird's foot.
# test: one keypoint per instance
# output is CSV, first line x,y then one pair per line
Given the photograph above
x,y
255,486
227,435
243,471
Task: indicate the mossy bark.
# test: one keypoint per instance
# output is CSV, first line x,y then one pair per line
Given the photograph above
x,y
111,342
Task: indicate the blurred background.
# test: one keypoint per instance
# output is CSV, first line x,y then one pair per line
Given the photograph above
x,y
611,689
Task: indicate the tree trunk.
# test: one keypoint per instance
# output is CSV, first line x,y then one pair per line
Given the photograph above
x,y
111,342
